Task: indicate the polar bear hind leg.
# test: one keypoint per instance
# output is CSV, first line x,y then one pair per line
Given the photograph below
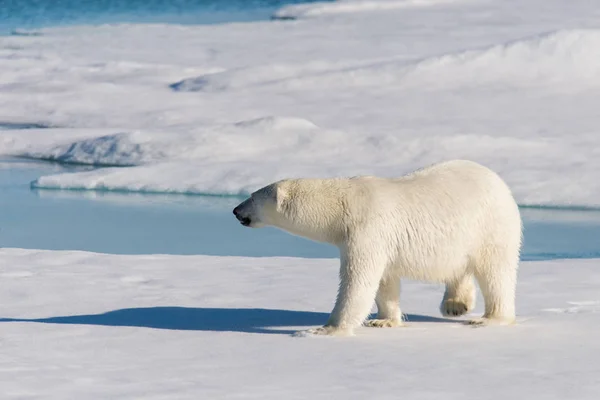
x,y
498,286
459,298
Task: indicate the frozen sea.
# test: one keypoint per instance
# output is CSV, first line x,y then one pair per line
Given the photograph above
x,y
130,129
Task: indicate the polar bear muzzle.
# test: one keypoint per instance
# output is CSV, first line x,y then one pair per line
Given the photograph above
x,y
245,213
241,215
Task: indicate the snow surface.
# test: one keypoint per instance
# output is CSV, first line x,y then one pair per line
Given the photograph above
x,y
95,326
295,11
364,87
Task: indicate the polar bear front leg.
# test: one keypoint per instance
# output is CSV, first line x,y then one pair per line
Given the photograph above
x,y
388,304
360,274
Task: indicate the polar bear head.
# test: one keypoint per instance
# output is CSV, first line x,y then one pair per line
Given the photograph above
x,y
263,208
311,208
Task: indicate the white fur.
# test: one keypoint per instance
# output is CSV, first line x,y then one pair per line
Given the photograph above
x,y
453,222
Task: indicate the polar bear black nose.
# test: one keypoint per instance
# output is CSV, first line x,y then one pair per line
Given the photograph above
x,y
236,211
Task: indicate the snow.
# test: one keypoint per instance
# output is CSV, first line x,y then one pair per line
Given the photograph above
x,y
94,326
357,87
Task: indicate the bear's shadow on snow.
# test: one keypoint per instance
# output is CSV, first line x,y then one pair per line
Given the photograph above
x,y
248,320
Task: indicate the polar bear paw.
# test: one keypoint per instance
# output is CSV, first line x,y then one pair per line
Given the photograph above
x,y
383,323
325,331
454,308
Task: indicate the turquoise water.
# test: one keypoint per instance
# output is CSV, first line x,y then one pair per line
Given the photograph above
x,y
28,14
172,224
129,223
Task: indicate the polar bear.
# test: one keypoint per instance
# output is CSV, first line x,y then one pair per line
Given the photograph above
x,y
451,223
